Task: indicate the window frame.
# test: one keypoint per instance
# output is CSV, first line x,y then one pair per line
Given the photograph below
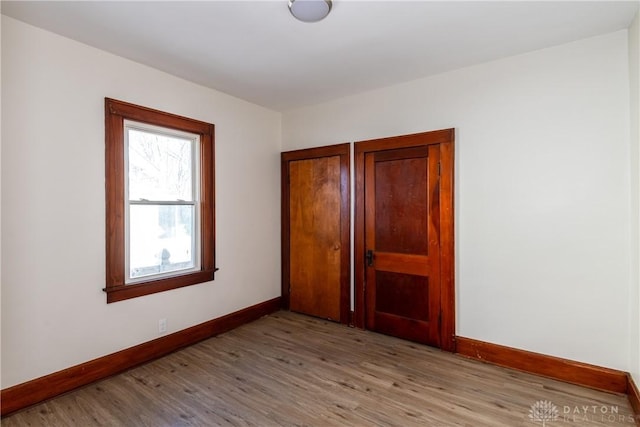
x,y
116,112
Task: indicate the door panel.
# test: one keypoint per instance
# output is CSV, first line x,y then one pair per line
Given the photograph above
x,y
402,295
314,209
315,231
400,203
400,206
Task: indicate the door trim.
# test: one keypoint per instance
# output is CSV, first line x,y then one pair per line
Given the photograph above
x,y
344,151
445,138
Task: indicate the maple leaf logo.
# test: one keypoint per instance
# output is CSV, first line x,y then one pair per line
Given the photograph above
x,y
543,411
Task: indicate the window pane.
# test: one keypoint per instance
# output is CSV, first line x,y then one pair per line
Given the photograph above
x,y
161,239
160,166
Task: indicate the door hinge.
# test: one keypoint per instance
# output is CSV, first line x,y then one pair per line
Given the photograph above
x,y
440,320
438,168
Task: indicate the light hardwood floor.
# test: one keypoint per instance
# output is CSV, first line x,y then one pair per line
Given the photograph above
x,y
291,370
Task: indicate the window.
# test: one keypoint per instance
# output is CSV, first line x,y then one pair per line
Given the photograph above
x,y
160,218
161,193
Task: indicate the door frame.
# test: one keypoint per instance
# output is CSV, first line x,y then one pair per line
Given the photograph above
x,y
445,138
344,152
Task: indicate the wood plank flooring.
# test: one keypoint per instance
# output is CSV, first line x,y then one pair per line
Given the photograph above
x,y
292,370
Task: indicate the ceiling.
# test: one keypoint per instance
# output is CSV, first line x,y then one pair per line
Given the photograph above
x,y
257,51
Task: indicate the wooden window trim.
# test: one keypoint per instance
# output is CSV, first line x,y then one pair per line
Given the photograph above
x,y
116,112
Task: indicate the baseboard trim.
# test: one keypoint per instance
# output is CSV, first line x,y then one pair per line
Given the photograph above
x,y
547,366
35,391
634,398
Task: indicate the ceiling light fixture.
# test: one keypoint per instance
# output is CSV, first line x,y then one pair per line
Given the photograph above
x,y
310,10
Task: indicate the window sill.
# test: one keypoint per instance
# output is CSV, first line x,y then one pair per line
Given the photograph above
x,y
123,292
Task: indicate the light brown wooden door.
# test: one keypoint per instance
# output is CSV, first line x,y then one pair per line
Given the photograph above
x,y
401,185
316,219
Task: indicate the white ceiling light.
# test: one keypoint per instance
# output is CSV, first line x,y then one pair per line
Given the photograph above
x,y
309,10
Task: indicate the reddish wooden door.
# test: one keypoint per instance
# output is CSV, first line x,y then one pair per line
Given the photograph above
x,y
402,250
316,232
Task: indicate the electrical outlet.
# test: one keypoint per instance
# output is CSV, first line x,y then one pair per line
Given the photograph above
x,y
162,326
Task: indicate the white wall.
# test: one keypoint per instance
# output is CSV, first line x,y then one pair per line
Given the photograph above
x,y
634,300
54,314
542,190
